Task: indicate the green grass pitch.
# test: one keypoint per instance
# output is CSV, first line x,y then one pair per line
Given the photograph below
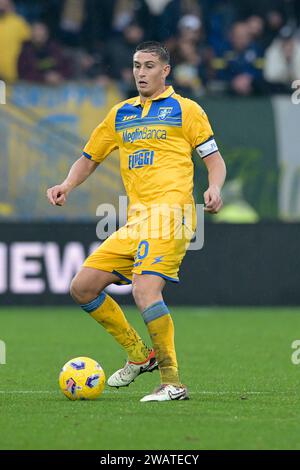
x,y
245,391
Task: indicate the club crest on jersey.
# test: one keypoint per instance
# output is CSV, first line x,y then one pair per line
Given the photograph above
x,y
163,112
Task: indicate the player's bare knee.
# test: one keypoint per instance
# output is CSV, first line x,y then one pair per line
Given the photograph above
x,y
144,297
137,294
80,292
75,290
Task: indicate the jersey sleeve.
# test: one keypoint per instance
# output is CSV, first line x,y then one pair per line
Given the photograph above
x,y
103,139
198,131
24,30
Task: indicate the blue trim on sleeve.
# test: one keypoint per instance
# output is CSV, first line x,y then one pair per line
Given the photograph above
x,y
87,155
155,273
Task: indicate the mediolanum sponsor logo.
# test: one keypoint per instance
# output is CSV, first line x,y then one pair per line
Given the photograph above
x,y
144,134
35,268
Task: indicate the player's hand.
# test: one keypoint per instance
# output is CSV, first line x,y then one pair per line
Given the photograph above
x,y
213,200
57,195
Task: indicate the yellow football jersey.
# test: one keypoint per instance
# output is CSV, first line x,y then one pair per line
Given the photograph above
x,y
155,140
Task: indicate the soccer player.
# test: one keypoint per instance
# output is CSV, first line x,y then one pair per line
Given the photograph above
x,y
155,133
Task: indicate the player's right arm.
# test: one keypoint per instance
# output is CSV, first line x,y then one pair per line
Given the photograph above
x,y
79,172
102,142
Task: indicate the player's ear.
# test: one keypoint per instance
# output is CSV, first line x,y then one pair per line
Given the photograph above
x,y
167,70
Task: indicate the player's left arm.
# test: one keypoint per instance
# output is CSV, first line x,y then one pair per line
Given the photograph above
x,y
200,135
216,177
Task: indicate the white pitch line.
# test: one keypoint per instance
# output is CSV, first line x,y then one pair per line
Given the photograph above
x,y
127,392
24,392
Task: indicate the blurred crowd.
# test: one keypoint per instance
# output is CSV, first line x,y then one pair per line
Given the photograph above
x,y
249,47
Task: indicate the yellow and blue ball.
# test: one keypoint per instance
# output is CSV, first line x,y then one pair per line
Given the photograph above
x,y
82,378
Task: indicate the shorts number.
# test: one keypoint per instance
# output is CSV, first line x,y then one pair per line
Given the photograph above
x,y
143,247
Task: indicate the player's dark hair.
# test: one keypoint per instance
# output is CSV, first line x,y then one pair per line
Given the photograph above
x,y
156,48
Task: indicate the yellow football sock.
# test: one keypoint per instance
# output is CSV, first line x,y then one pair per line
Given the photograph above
x,y
161,329
110,315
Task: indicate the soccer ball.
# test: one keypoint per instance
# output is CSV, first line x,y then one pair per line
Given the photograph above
x,y
82,378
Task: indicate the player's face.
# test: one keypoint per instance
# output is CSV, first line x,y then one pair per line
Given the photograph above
x,y
149,73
